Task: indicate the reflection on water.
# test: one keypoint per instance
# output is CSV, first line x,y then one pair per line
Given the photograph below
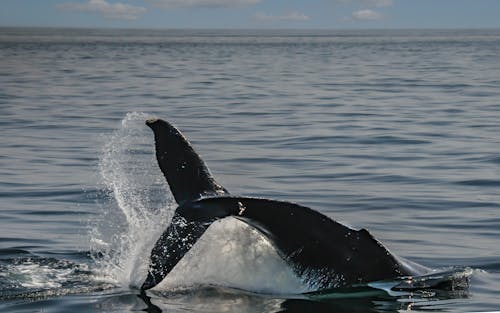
x,y
216,299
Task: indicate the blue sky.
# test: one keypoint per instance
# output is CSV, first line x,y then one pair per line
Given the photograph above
x,y
298,14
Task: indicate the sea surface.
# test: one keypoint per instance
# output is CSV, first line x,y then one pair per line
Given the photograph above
x,y
395,131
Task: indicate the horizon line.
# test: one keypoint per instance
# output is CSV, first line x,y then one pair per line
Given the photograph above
x,y
246,28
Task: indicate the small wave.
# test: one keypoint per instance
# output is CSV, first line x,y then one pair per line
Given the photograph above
x,y
13,252
480,182
392,140
495,160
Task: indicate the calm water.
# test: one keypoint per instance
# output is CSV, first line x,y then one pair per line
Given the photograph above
x,y
394,131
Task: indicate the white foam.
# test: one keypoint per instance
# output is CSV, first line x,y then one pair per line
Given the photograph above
x,y
38,276
43,273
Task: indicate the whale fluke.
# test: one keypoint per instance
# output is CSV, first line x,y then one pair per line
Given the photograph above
x,y
323,252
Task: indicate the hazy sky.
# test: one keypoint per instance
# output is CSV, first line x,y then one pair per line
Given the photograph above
x,y
330,14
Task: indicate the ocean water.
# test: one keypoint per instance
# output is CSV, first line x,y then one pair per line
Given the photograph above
x,y
397,132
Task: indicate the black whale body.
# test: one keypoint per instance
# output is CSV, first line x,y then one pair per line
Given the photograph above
x,y
321,251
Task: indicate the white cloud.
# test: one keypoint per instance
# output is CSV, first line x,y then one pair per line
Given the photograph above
x,y
366,15
292,16
369,3
172,4
116,10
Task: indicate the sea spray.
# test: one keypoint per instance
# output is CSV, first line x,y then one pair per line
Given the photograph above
x,y
138,207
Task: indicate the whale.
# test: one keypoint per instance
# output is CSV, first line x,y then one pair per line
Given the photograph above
x,y
322,252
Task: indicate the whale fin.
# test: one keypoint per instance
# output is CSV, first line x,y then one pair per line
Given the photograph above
x,y
186,173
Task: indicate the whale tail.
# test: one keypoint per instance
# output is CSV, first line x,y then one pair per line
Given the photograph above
x,y
186,173
319,249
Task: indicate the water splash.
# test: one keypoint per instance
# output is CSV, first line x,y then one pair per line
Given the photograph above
x,y
139,206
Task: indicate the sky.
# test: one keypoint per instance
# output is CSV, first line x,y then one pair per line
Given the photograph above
x,y
250,14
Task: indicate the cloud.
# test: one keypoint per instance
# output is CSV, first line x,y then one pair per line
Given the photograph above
x,y
292,16
108,10
173,4
369,3
366,15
